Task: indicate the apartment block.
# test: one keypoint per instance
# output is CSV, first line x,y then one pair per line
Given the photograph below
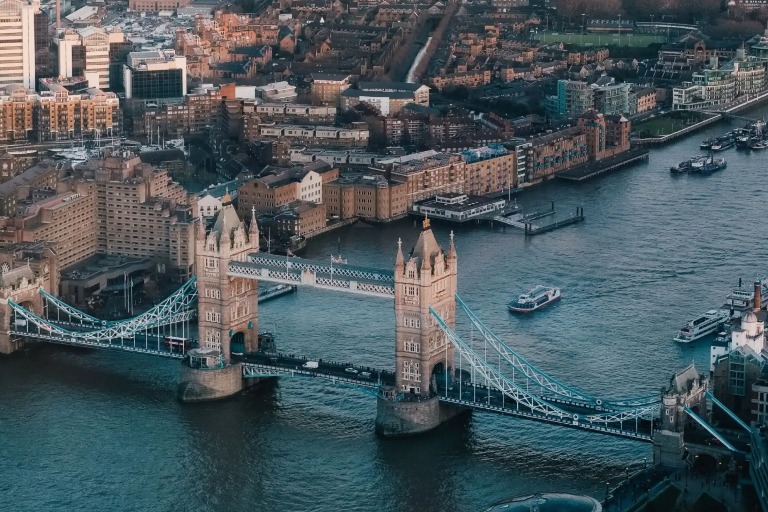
x,y
300,218
425,174
489,169
387,97
44,175
277,187
142,213
60,115
356,134
556,152
326,88
371,197
156,5
52,219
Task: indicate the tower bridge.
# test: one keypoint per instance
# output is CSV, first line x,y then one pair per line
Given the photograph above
x,y
439,372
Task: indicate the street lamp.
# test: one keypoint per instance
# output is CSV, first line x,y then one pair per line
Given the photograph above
x,y
582,22
619,29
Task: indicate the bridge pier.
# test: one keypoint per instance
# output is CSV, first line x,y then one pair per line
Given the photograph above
x,y
668,448
411,417
8,345
205,385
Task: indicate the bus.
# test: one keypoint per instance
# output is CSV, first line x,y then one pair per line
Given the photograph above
x,y
176,344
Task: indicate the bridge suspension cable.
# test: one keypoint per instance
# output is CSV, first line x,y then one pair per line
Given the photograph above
x,y
534,402
542,379
177,308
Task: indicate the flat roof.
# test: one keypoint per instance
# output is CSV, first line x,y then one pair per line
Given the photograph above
x,y
470,203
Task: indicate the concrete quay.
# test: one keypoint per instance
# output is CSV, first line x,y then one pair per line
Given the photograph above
x,y
593,169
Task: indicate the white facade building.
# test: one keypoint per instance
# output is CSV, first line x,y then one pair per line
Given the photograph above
x,y
96,43
17,42
311,188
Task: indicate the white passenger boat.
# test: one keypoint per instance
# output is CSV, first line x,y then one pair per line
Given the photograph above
x,y
535,298
709,322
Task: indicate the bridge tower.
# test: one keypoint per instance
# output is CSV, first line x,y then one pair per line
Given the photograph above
x,y
23,273
227,308
686,388
424,358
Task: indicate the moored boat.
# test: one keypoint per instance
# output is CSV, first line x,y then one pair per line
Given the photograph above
x,y
535,298
709,322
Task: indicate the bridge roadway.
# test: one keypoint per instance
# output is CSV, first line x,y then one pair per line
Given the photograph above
x,y
266,364
480,397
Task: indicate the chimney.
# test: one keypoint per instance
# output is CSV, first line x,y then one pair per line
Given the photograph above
x,y
758,299
58,14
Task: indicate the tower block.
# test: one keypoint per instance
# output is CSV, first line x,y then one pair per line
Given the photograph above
x,y
424,358
227,308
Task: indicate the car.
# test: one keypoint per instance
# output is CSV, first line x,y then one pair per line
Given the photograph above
x,y
365,375
350,370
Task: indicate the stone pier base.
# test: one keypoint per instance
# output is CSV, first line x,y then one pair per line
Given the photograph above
x,y
8,345
206,385
668,448
407,418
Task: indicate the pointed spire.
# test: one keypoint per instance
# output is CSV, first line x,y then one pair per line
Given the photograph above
x,y
452,249
227,199
201,227
254,228
224,231
399,260
425,224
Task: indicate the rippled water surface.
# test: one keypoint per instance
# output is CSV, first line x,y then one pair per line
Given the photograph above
x,y
102,431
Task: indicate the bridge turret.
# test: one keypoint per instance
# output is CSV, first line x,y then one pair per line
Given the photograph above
x,y
424,358
427,280
687,389
227,306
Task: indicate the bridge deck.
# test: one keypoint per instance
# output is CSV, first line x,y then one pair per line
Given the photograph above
x,y
482,398
319,274
275,365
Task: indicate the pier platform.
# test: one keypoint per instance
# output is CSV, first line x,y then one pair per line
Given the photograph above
x,y
531,230
592,169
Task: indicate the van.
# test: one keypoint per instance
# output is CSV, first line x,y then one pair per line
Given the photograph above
x,y
365,375
310,365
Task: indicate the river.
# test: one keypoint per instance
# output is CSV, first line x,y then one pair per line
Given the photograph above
x,y
99,430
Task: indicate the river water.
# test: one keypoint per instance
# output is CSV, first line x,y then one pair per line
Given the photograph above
x,y
103,431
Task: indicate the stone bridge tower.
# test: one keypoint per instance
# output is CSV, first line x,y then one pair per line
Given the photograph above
x,y
24,271
423,355
227,308
686,388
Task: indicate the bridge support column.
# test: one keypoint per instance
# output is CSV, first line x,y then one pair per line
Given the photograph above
x,y
205,385
8,345
411,417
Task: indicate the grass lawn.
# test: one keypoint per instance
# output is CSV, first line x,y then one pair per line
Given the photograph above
x,y
639,40
664,125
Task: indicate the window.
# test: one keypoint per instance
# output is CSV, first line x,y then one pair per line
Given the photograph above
x,y
412,346
411,371
411,322
211,316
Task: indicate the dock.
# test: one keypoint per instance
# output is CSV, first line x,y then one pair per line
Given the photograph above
x,y
592,169
520,220
531,230
275,291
